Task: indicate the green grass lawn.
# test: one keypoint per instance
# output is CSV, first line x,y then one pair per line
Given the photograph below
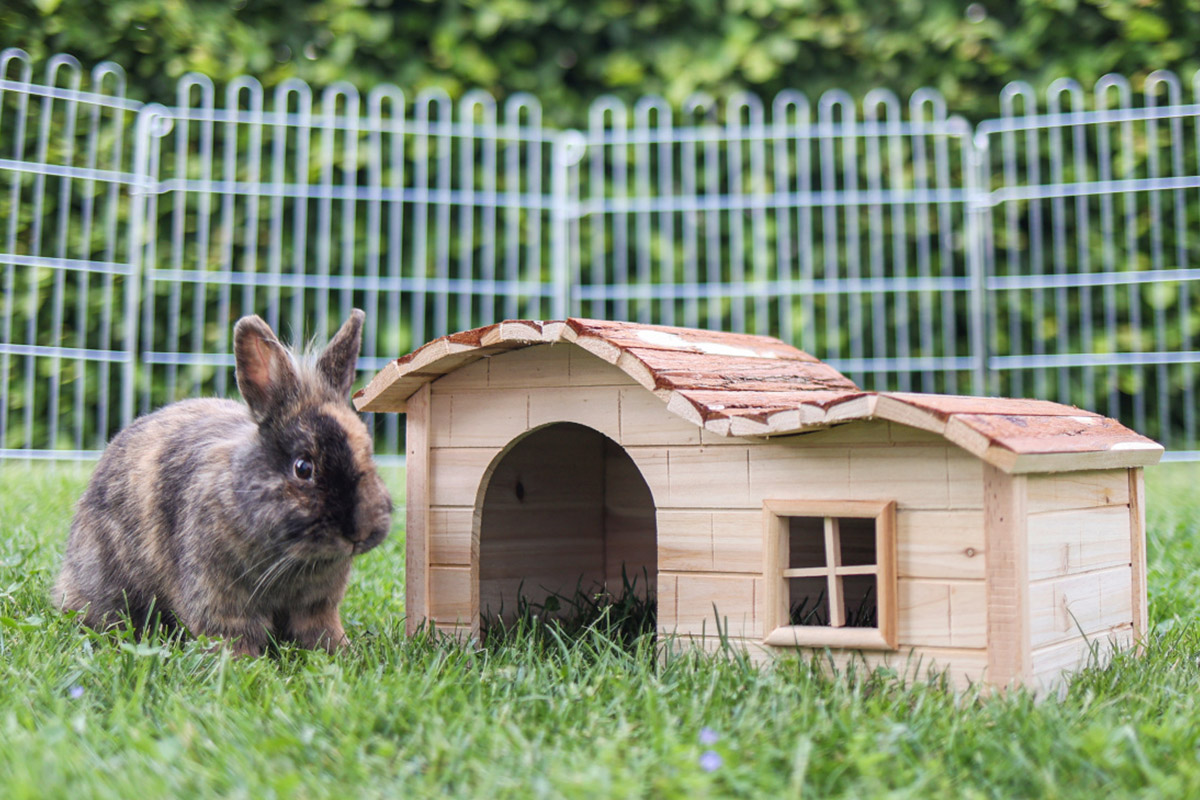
x,y
84,716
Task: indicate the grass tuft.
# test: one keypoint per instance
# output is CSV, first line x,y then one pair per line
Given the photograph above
x,y
622,619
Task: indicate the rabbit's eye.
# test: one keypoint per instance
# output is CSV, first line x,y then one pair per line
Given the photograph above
x,y
303,469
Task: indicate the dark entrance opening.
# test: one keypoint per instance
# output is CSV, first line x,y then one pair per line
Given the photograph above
x,y
566,515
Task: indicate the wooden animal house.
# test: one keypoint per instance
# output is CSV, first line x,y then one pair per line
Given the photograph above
x,y
765,498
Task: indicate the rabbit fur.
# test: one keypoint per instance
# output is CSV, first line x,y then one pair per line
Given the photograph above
x,y
235,520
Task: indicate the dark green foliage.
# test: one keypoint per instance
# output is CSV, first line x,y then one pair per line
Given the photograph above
x,y
623,619
814,611
567,53
809,611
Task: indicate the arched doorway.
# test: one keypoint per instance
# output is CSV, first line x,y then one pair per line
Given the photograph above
x,y
565,508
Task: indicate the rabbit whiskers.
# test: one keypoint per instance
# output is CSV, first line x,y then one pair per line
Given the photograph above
x,y
272,575
272,553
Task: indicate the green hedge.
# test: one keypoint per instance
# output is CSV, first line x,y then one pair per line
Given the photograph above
x,y
568,53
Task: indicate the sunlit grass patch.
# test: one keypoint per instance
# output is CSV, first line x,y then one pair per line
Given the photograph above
x,y
586,710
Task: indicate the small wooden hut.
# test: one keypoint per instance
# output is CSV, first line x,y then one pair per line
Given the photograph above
x,y
765,499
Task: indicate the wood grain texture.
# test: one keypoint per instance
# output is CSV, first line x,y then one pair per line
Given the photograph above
x,y
542,520
835,597
488,418
440,417
887,582
685,541
1054,664
775,611
819,636
586,369
1137,541
924,613
918,476
666,618
787,469
455,474
706,603
531,367
944,406
691,407
645,421
473,375
625,335
652,464
1081,433
1122,455
1088,489
968,614
1080,540
942,613
452,599
1080,605
940,544
416,526
597,407
564,509
963,667
708,477
827,508
1007,586
630,526
388,390
737,541
451,536
761,401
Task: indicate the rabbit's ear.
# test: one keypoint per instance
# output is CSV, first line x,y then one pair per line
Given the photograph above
x,y
266,376
339,359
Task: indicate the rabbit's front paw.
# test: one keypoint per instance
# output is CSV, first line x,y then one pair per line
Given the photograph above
x,y
322,630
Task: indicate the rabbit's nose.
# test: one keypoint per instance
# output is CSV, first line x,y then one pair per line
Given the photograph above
x,y
371,525
373,537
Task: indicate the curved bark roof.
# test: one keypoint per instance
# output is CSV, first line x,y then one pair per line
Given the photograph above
x,y
736,384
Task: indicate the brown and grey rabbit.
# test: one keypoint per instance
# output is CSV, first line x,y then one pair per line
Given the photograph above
x,y
231,520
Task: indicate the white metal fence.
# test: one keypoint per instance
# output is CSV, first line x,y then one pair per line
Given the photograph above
x,y
1041,253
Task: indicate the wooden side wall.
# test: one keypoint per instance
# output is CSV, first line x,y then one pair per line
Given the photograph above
x,y
708,491
1086,568
710,531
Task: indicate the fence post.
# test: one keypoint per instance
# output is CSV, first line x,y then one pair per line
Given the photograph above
x,y
152,121
568,148
977,207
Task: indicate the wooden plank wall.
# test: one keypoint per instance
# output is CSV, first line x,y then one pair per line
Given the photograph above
x,y
708,491
710,541
962,667
1082,587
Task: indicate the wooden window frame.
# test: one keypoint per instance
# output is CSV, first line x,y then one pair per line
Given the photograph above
x,y
779,631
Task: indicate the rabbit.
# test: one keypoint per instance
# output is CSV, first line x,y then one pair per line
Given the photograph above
x,y
235,520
